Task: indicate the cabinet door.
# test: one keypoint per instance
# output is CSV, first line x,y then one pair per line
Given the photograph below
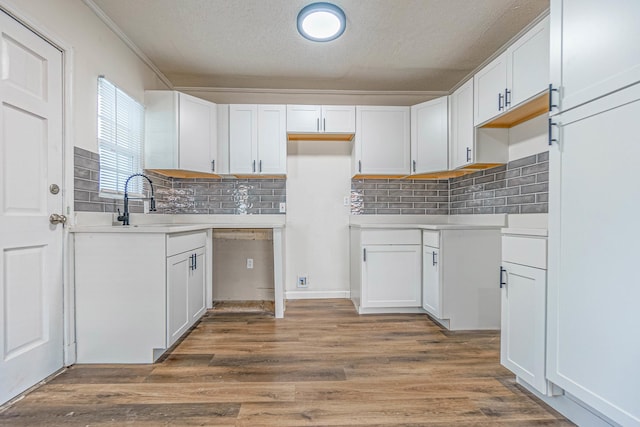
x,y
391,276
383,143
338,118
272,139
177,305
431,282
197,133
196,286
593,350
243,138
303,118
528,65
429,136
462,128
489,85
523,335
594,48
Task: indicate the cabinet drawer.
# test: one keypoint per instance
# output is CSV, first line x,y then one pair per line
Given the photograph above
x,y
531,251
391,237
183,242
431,238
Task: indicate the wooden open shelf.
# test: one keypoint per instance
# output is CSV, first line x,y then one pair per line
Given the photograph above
x,y
527,111
335,137
179,173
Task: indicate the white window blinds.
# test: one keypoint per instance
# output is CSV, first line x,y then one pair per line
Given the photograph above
x,y
120,136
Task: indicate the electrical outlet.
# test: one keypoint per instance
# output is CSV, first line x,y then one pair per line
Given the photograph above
x,y
249,263
283,207
346,201
303,281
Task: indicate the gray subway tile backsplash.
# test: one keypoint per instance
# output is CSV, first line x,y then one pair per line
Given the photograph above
x,y
221,196
521,186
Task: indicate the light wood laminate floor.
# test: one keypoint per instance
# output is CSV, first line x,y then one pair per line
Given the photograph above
x,y
321,365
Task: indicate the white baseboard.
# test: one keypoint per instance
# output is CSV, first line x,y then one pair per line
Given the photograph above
x,y
317,294
571,408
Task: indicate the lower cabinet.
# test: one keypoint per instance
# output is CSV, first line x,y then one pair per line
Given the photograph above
x,y
137,293
386,267
523,282
185,292
459,288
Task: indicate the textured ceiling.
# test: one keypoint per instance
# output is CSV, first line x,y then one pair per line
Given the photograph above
x,y
389,45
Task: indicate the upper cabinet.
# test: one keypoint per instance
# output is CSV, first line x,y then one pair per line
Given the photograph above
x,y
383,142
429,136
180,132
516,76
310,119
257,139
461,140
590,61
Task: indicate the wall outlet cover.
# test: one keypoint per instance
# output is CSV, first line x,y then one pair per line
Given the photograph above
x,y
283,207
249,263
303,281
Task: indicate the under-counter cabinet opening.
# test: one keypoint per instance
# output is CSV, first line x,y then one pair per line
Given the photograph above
x,y
243,276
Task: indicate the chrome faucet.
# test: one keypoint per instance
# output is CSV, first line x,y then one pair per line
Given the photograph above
x,y
152,205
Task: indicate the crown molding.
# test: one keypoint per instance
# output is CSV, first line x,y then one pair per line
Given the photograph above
x,y
309,91
127,41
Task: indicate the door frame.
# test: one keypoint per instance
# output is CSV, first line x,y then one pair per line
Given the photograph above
x,y
13,10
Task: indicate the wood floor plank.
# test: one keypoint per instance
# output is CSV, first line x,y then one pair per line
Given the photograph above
x,y
323,364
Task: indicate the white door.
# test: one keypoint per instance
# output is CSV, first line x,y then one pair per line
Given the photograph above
x,y
594,48
31,290
198,136
339,118
528,64
383,140
489,85
523,333
196,287
303,118
272,139
430,136
178,271
243,138
431,282
391,276
462,129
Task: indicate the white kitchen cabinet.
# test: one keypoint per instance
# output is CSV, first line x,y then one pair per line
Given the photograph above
x,y
460,266
185,291
523,280
383,141
137,293
431,281
430,136
389,270
462,135
321,119
515,76
594,49
180,132
593,315
257,139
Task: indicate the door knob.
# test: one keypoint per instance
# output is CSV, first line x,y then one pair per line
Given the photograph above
x,y
57,219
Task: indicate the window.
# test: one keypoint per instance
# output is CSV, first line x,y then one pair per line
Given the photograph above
x,y
120,136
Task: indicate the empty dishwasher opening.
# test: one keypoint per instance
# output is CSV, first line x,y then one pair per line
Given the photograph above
x,y
243,270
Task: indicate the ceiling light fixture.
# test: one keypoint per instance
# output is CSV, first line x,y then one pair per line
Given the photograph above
x,y
321,22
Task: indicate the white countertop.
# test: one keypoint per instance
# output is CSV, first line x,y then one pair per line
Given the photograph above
x,y
102,223
426,226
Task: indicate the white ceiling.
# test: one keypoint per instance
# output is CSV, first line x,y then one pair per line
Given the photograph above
x,y
389,45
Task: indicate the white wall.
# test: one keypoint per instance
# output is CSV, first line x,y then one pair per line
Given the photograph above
x,y
528,138
318,179
96,49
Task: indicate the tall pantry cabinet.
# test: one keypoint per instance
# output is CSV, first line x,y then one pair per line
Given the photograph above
x,y
593,293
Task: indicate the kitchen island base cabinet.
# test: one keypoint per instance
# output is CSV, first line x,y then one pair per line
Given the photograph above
x,y
136,293
460,270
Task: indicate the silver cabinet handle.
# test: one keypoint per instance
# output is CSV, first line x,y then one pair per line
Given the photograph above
x,y
318,124
364,255
500,98
502,281
551,104
414,165
254,166
551,138
359,166
434,261
468,154
507,101
213,165
324,125
260,166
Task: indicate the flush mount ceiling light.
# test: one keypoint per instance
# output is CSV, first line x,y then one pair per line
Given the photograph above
x,y
321,22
